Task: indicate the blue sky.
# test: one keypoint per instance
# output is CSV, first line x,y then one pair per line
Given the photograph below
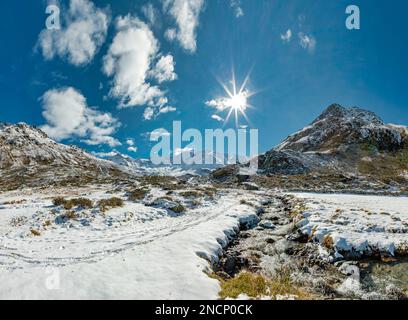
x,y
94,91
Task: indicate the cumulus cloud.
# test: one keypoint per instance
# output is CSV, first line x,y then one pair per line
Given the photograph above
x,y
164,70
236,6
68,116
80,37
287,36
132,149
307,42
130,62
186,14
217,118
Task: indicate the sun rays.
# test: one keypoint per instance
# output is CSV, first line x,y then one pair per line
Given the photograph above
x,y
236,100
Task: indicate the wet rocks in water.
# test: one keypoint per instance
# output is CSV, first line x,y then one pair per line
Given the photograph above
x,y
267,224
250,186
232,263
249,222
298,236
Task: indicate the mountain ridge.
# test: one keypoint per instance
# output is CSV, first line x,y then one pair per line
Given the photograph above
x,y
28,157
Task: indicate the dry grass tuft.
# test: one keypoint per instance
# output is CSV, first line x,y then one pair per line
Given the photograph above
x,y
328,242
72,203
138,194
256,286
35,232
106,204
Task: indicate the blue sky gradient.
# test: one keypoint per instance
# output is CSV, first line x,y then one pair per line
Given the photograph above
x,y
365,68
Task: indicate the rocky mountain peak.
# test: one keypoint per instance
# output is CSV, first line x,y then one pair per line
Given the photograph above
x,y
336,112
339,128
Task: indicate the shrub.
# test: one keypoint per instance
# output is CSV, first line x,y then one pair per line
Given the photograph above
x,y
137,194
59,201
69,204
35,232
71,215
179,208
106,204
191,194
47,223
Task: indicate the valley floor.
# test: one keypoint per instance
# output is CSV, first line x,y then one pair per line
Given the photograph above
x,y
133,252
143,250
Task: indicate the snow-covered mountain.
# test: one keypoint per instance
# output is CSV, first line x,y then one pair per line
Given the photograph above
x,y
146,167
28,157
338,128
346,141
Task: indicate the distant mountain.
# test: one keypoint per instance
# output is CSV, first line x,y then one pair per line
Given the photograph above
x,y
143,167
28,157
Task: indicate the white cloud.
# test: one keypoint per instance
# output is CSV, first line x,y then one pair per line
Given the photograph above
x,y
287,36
80,38
217,118
219,104
236,5
132,149
129,62
150,13
170,34
186,14
105,154
68,116
152,113
167,109
148,113
307,42
156,134
130,142
164,70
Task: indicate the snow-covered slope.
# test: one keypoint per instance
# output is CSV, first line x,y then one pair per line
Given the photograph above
x,y
29,157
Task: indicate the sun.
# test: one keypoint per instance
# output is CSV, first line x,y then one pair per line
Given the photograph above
x,y
236,102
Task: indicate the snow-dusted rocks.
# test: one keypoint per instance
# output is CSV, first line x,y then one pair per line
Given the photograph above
x,y
356,225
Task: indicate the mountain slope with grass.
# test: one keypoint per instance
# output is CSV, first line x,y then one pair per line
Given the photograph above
x,y
29,158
